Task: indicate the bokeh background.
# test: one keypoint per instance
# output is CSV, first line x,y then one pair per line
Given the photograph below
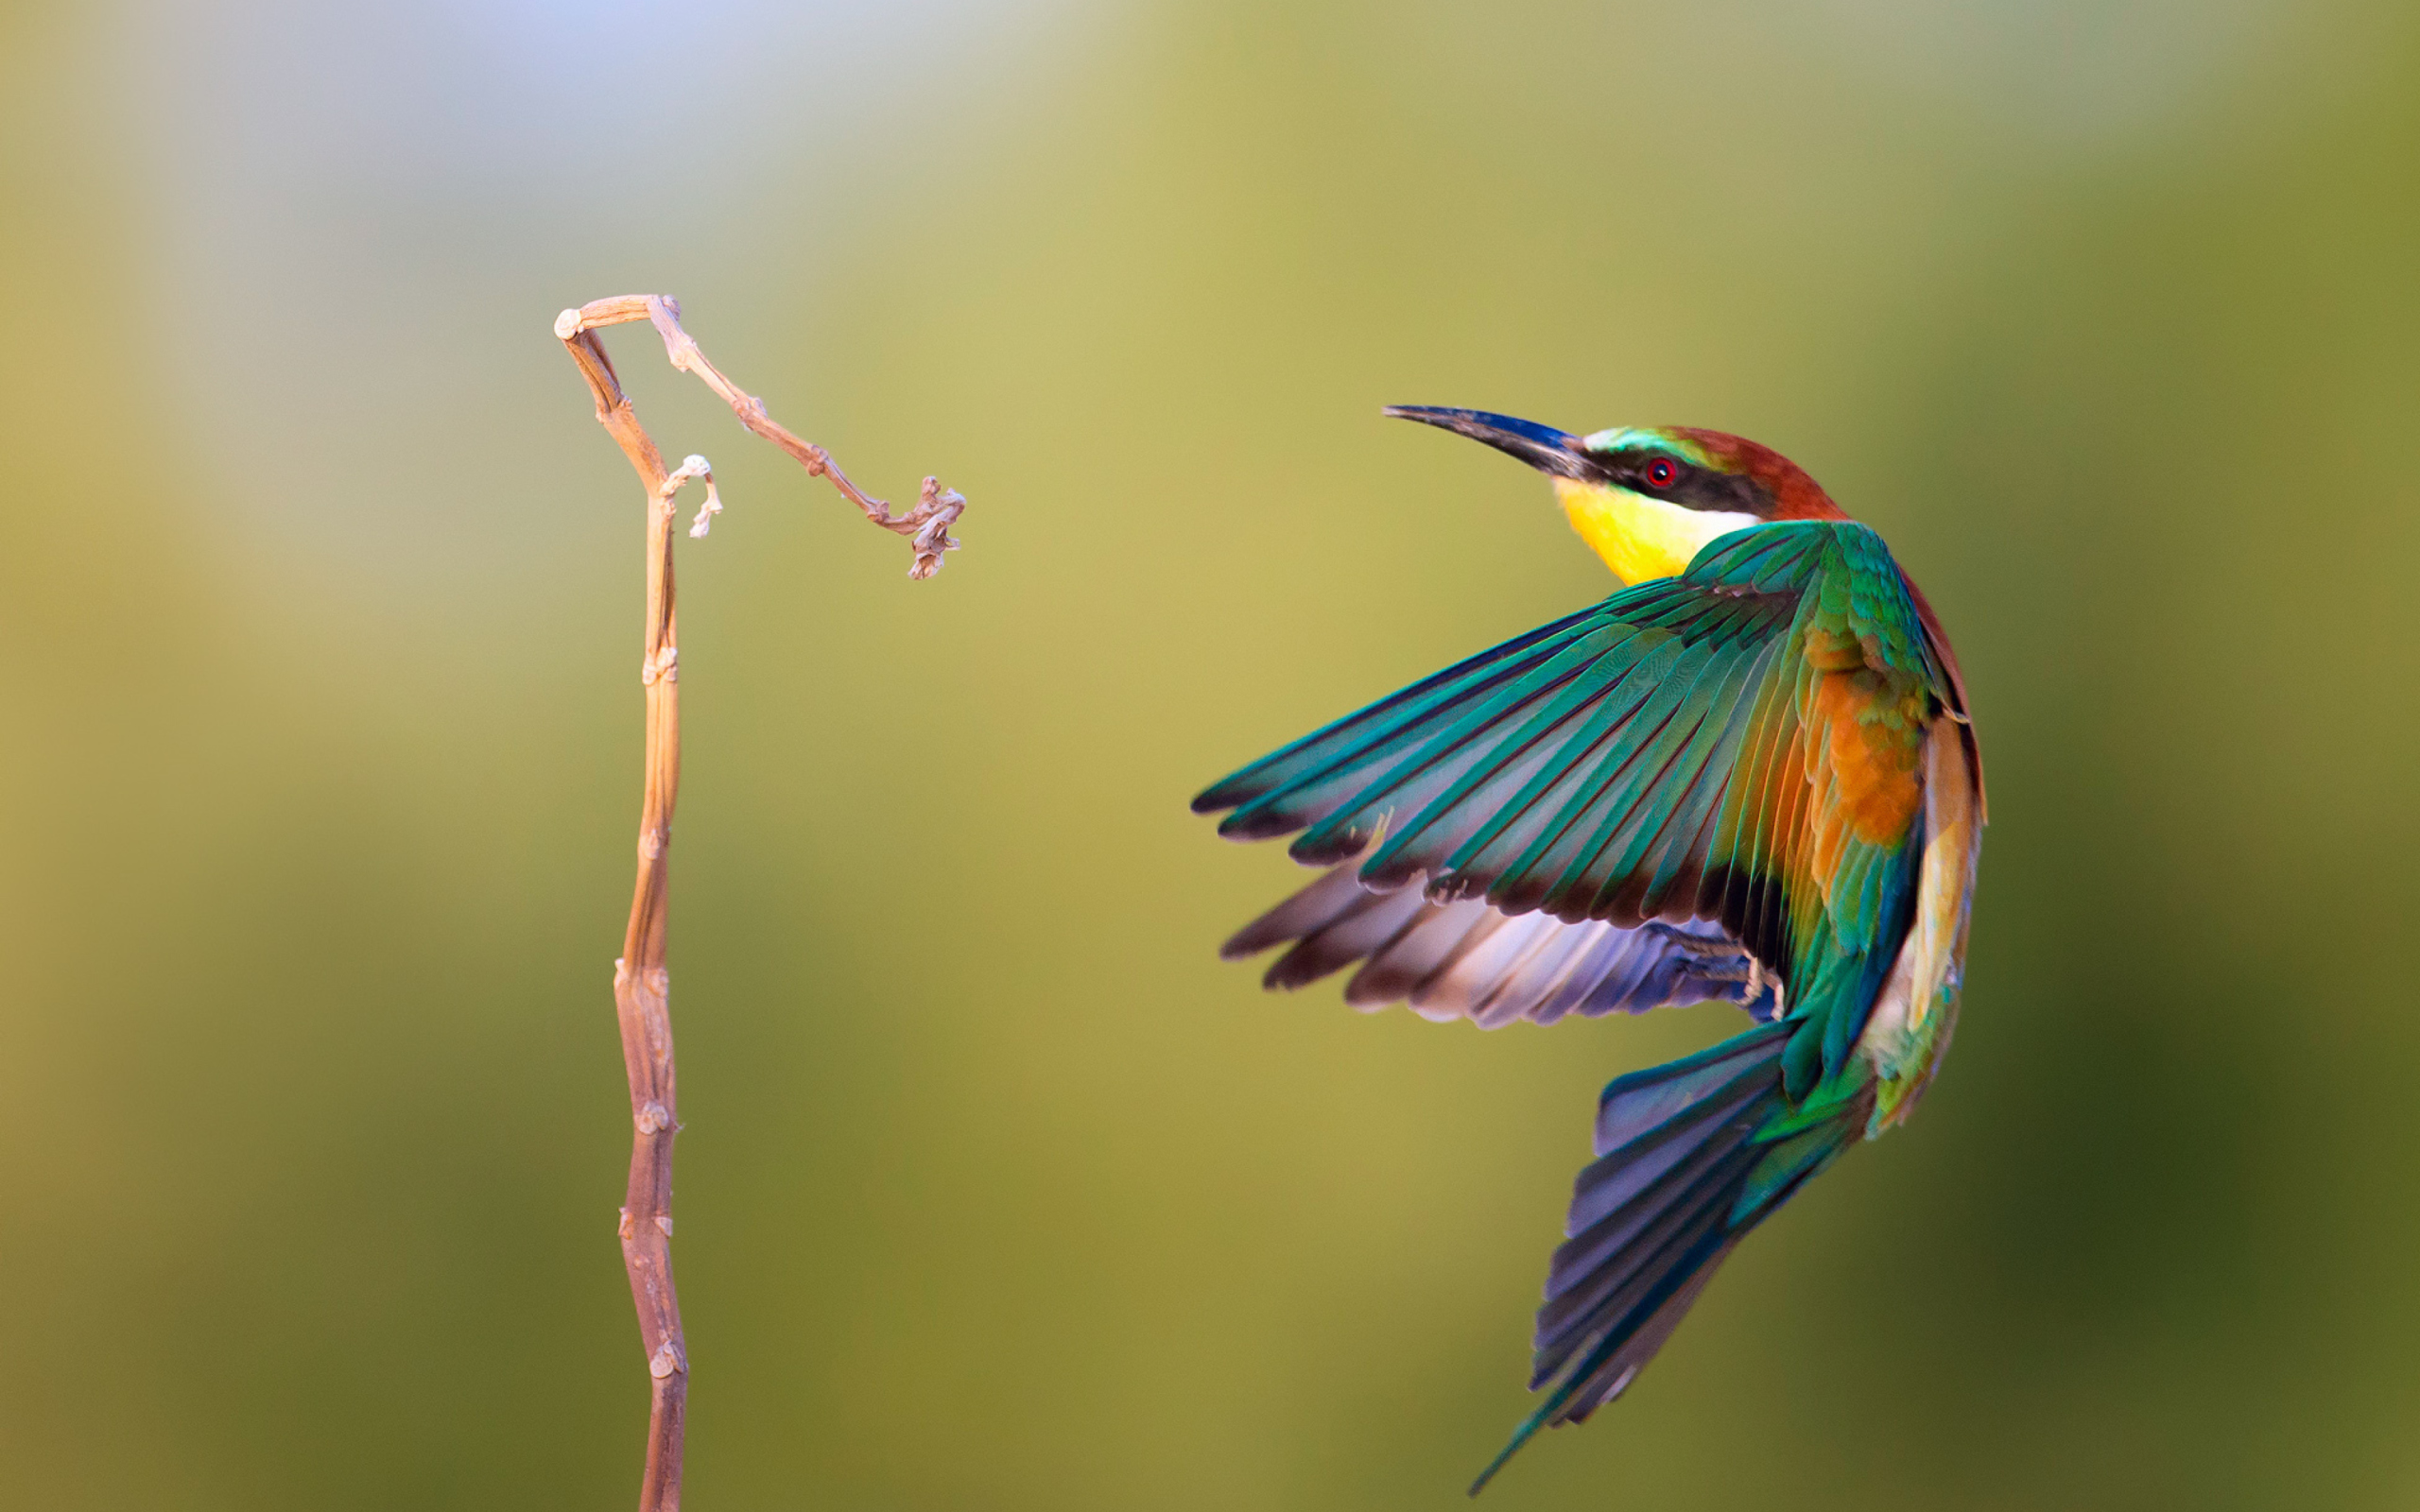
x,y
999,1192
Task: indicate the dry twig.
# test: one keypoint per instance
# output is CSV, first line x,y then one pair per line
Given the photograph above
x,y
640,984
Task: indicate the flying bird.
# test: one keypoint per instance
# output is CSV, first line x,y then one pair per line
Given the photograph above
x,y
1747,777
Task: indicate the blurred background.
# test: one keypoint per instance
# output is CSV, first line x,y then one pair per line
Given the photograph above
x,y
999,1191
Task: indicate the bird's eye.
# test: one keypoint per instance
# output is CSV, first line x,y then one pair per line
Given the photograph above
x,y
1663,473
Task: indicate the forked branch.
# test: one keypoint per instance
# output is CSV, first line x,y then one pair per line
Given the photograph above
x,y
642,986
927,524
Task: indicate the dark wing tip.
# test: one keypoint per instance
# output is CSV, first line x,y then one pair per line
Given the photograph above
x,y
1226,793
1257,824
1324,846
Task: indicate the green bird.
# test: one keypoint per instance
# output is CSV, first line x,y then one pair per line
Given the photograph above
x,y
1746,776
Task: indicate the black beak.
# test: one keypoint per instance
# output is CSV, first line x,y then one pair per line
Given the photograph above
x,y
1541,446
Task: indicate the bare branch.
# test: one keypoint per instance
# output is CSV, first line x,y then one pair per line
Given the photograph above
x,y
927,524
642,985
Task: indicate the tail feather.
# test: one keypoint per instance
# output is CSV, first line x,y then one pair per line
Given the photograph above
x,y
1599,1287
1628,1168
1639,1104
1649,1338
1572,1401
1690,1157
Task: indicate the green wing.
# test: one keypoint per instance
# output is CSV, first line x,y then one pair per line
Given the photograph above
x,y
1738,744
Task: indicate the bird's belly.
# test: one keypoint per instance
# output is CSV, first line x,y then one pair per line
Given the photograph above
x,y
1908,1030
1888,1035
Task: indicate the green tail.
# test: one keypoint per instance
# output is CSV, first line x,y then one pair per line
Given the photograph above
x,y
1690,1157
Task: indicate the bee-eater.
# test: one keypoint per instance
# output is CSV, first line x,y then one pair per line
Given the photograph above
x,y
1747,777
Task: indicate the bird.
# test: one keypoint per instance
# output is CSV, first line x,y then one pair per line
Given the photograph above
x,y
1748,776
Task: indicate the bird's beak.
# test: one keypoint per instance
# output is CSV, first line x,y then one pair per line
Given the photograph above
x,y
1541,446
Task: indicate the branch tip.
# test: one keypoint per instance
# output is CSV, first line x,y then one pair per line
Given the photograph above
x,y
694,468
706,513
927,524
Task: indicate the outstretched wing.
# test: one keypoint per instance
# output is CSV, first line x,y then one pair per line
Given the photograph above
x,y
1734,747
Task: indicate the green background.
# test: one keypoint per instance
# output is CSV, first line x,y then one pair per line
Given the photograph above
x,y
320,755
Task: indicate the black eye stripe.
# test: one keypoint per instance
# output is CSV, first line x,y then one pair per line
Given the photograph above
x,y
1675,480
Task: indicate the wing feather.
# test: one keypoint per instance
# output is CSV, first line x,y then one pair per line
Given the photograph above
x,y
1467,959
1725,753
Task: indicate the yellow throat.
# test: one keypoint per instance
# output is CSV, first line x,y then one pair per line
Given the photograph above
x,y
1641,538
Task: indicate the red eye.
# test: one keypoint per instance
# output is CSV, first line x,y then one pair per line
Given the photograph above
x,y
1663,473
